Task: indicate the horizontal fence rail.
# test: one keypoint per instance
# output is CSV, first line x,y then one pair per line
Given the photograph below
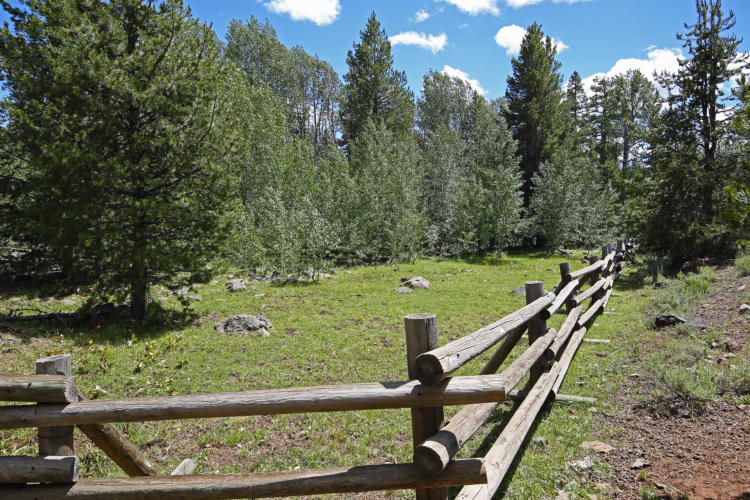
x,y
368,396
543,364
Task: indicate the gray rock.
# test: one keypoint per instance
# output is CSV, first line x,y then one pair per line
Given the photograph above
x,y
235,285
584,464
244,323
68,302
665,319
403,289
521,290
196,298
744,309
415,282
696,323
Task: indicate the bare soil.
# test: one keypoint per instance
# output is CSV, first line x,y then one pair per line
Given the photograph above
x,y
689,453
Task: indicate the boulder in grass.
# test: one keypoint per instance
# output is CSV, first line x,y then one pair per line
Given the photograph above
x,y
664,320
235,285
403,289
416,282
245,323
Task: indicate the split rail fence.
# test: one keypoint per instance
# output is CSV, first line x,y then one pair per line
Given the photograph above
x,y
59,406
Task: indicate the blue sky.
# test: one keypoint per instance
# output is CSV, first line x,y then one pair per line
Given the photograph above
x,y
599,36
475,39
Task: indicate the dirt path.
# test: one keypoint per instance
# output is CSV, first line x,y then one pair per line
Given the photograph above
x,y
688,454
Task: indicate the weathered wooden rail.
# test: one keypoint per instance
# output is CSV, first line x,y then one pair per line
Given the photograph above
x,y
60,405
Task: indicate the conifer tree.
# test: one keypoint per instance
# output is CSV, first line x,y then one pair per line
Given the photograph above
x,y
535,113
373,89
131,125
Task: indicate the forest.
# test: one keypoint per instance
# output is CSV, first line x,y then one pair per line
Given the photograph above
x,y
136,146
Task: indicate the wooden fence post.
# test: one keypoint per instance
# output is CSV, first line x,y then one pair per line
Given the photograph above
x,y
56,441
422,336
564,271
537,326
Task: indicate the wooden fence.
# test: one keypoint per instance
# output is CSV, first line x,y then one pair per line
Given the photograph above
x,y
60,405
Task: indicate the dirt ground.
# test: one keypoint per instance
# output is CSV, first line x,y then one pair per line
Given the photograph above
x,y
688,454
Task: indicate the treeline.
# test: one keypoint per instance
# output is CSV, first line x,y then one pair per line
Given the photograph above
x,y
135,144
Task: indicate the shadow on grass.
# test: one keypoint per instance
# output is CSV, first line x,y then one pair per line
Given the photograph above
x,y
498,421
113,330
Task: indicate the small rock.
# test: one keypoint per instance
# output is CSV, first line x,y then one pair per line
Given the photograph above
x,y
742,288
639,464
634,376
182,291
602,354
744,309
260,294
696,323
15,300
244,323
235,285
663,320
402,289
581,465
562,495
540,442
68,302
597,446
732,345
416,282
660,486
196,298
519,291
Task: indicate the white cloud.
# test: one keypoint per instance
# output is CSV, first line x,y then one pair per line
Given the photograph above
x,y
435,43
474,7
457,73
659,60
521,3
510,38
421,15
321,12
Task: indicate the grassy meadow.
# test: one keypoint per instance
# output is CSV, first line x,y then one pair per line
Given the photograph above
x,y
345,329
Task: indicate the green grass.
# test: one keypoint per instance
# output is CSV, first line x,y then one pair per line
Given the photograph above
x,y
346,329
743,264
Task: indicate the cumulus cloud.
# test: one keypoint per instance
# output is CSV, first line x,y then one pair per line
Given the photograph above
x,y
457,73
474,7
421,15
321,12
522,3
435,43
510,38
659,60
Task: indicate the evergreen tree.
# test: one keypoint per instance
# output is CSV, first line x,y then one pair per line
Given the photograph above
x,y
636,106
577,105
535,113
374,90
131,124
677,211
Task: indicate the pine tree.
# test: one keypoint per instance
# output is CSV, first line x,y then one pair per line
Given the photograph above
x,y
577,105
636,106
677,212
131,125
535,113
374,90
